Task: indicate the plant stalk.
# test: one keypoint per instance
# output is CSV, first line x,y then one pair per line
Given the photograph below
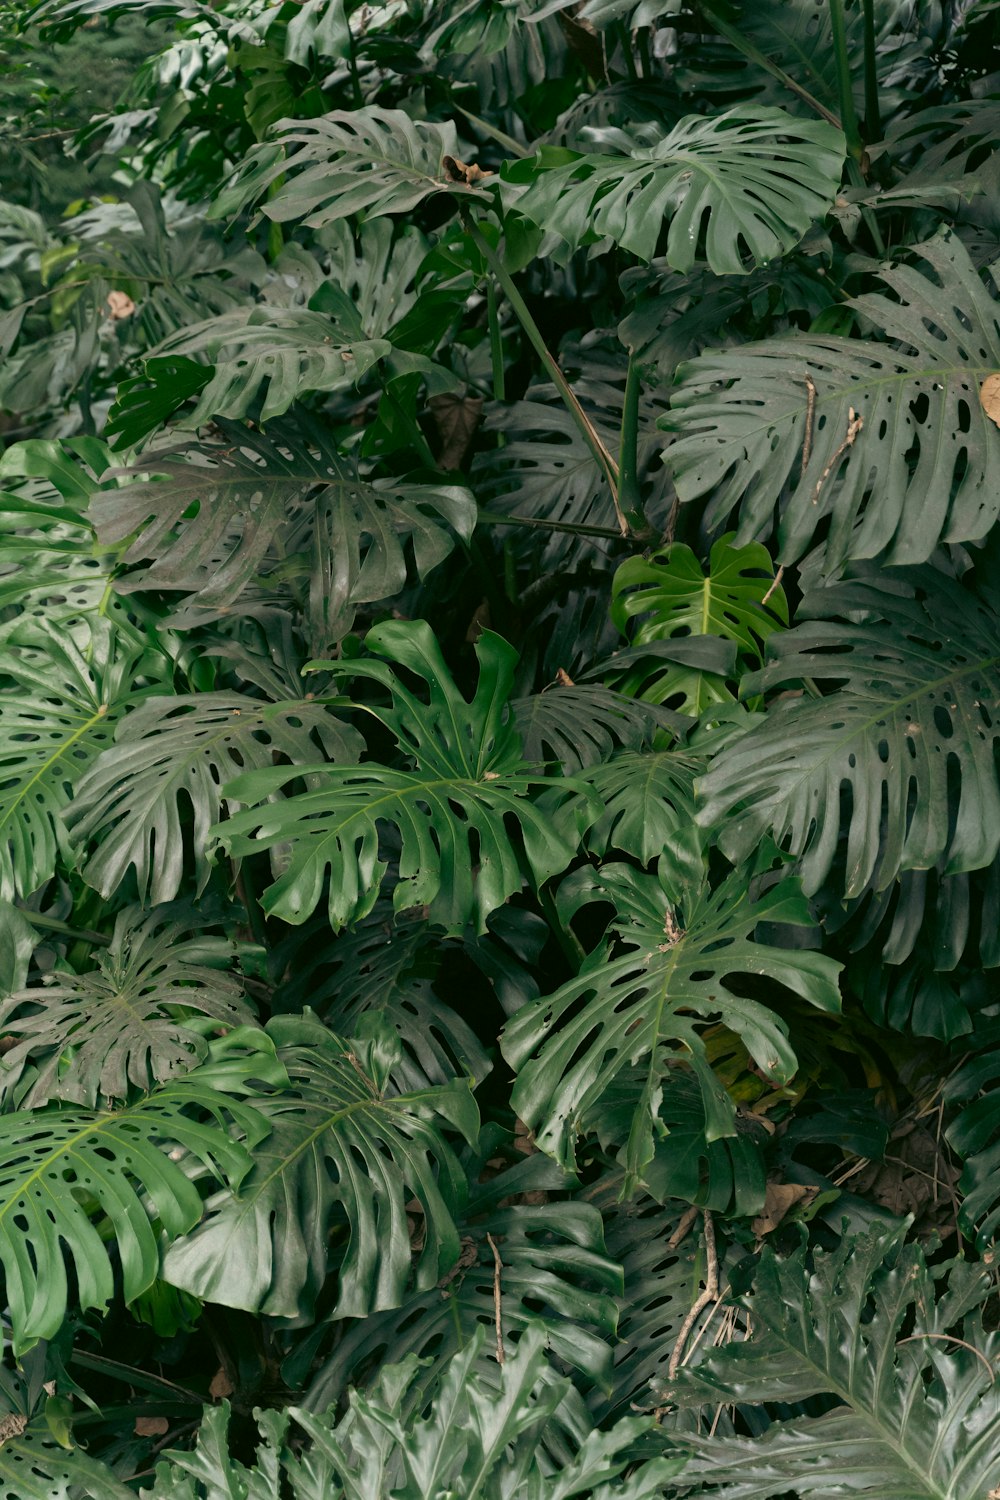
x,y
629,493
873,116
848,114
587,429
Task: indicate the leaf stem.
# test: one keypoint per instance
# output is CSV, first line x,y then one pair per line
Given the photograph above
x,y
52,924
753,54
629,494
848,115
873,117
587,429
494,518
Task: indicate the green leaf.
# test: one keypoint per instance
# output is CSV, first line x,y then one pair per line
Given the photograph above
x,y
671,597
208,513
57,713
576,725
926,446
915,1415
467,779
346,1155
910,730
169,761
683,947
759,177
556,1280
649,807
385,968
267,355
34,1466
473,1441
372,161
136,1018
62,1168
975,1131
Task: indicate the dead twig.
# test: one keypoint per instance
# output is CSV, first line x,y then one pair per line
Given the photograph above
x,y
497,1301
709,1294
855,422
684,1223
776,583
807,440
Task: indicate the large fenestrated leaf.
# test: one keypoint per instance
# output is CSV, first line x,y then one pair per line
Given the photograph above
x,y
58,709
466,777
918,471
580,724
384,967
130,1170
372,161
137,1017
557,1279
347,1153
910,731
746,184
209,521
649,805
975,1131
261,358
473,1441
681,945
916,1407
35,1466
170,759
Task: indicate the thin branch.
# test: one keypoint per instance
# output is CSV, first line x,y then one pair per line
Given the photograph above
x,y
855,422
807,440
775,583
497,1301
707,1296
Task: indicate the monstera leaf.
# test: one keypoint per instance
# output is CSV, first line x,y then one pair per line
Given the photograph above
x,y
57,712
915,1415
347,1154
136,1018
169,761
683,943
581,724
649,805
556,1278
207,513
465,780
911,730
975,1131
759,177
35,1466
268,354
669,597
371,161
131,1171
473,1441
386,968
770,431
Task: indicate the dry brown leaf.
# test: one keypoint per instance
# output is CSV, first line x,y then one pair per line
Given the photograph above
x,y
120,305
12,1425
456,419
151,1426
221,1386
461,171
779,1200
989,398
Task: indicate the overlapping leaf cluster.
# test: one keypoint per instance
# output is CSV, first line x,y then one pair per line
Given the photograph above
x,y
499,794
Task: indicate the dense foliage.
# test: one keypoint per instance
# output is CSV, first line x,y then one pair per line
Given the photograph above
x,y
499,777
